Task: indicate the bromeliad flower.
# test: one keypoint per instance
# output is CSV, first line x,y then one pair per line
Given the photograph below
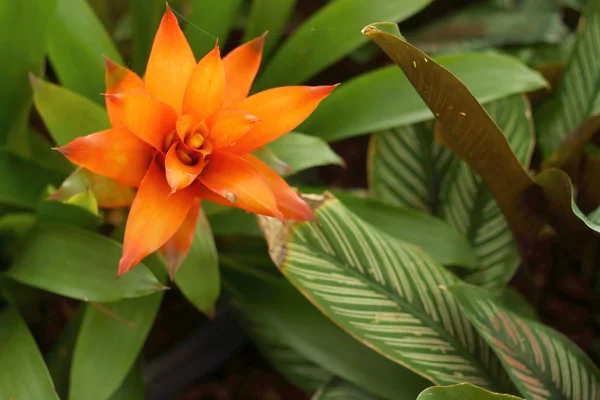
x,y
184,133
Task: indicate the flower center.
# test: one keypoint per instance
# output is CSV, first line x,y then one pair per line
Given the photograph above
x,y
194,145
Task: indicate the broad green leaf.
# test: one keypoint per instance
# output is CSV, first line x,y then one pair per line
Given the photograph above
x,y
132,387
385,99
337,389
145,19
572,102
25,26
209,20
274,306
82,265
470,208
66,114
23,181
384,292
234,222
24,374
482,26
271,16
76,44
198,277
327,36
55,212
541,362
406,167
109,341
432,235
514,301
43,154
300,151
462,391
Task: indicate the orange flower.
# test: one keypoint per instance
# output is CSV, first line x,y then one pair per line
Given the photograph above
x,y
184,133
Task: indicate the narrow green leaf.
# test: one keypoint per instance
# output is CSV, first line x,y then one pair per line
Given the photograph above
x,y
110,339
132,387
268,15
77,32
572,103
471,209
145,18
462,391
385,99
198,277
275,307
25,26
320,41
43,154
14,191
66,114
55,212
300,151
24,374
407,166
337,389
384,292
540,361
432,235
75,263
209,20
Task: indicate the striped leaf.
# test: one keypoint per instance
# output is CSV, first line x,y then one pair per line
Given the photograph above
x,y
337,389
406,167
384,292
469,206
462,391
574,98
541,362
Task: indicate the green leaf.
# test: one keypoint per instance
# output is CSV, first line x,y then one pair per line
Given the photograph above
x,y
24,375
385,99
406,167
337,389
514,301
78,33
462,391
85,200
209,20
54,212
25,26
268,15
429,233
275,307
540,361
145,19
23,182
43,154
384,292
482,26
471,209
66,114
198,277
327,36
132,387
110,339
572,102
79,264
300,151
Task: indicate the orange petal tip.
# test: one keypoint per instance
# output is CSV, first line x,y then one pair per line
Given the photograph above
x,y
65,150
110,64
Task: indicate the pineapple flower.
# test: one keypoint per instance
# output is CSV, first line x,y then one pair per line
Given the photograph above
x,y
185,133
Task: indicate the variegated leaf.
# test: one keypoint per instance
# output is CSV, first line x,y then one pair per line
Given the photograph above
x,y
573,101
542,363
462,391
384,292
337,389
406,167
469,206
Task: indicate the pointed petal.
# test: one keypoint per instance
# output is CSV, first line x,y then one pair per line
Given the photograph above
x,y
114,153
177,248
280,110
241,66
240,183
226,127
119,79
180,175
288,201
154,218
170,64
204,92
144,116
